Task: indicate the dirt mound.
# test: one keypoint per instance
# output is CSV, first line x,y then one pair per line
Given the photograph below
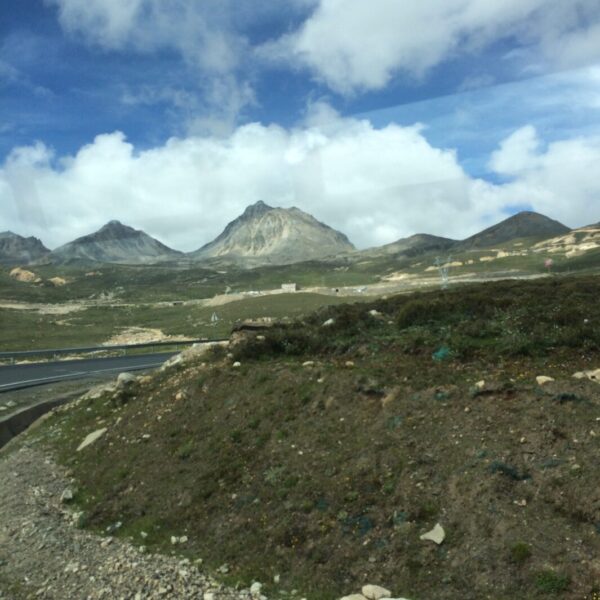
x,y
325,456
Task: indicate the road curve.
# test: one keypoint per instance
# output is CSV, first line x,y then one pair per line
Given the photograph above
x,y
14,377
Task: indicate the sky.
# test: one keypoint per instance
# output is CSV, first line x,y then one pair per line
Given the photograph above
x,y
382,119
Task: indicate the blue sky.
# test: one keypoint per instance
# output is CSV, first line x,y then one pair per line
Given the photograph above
x,y
381,118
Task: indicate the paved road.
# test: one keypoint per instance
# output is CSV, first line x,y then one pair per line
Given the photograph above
x,y
14,377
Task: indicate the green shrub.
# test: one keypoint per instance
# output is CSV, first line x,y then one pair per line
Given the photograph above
x,y
520,553
551,582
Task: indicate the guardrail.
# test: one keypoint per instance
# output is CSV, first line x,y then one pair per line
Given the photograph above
x,y
90,349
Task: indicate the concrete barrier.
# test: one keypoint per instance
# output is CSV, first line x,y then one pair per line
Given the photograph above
x,y
17,422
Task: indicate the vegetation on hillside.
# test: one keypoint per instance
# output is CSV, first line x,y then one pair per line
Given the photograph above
x,y
327,454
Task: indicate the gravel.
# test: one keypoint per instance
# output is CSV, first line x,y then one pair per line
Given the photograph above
x,y
44,555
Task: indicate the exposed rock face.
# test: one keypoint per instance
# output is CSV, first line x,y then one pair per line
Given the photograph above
x,y
115,243
522,225
19,250
24,275
576,242
267,235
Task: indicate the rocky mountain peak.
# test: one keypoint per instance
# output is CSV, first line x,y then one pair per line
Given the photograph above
x,y
255,210
16,249
115,243
263,234
521,225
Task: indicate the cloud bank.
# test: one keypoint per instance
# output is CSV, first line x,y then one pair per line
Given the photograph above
x,y
374,184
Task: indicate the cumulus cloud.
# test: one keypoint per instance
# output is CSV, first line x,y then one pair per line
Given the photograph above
x,y
559,180
354,45
375,184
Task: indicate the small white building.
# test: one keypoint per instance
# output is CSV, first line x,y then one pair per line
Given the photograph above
x,y
289,287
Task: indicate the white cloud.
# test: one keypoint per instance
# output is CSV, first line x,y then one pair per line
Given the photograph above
x,y
375,184
560,180
517,152
200,31
354,45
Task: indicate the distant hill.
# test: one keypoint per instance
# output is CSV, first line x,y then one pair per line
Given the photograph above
x,y
18,250
522,225
414,245
115,243
267,235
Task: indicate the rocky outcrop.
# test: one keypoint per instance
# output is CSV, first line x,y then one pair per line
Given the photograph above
x,y
24,275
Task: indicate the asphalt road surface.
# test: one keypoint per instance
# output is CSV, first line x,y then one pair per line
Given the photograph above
x,y
14,377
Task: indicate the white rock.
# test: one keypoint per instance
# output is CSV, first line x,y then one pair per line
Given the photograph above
x,y
591,375
66,496
276,579
308,363
349,364
375,592
329,322
208,596
172,362
480,384
255,588
191,353
437,534
125,379
542,379
353,597
91,438
99,390
374,313
237,364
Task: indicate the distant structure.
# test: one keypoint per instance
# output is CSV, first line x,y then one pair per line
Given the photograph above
x,y
289,287
443,266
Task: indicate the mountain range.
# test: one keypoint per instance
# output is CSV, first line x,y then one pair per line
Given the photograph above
x,y
264,235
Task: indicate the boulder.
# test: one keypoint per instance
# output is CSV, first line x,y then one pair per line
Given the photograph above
x,y
125,380
542,379
375,592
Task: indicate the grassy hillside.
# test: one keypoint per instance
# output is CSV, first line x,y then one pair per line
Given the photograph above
x,y
95,325
327,474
